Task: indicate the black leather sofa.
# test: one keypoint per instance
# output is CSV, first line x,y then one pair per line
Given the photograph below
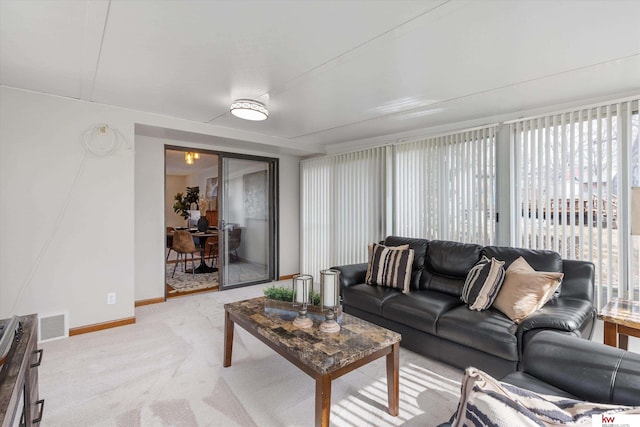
x,y
434,321
578,369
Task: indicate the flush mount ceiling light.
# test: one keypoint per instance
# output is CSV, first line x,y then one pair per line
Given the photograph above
x,y
249,109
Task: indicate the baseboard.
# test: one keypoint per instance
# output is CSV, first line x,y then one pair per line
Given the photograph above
x,y
287,277
148,301
101,326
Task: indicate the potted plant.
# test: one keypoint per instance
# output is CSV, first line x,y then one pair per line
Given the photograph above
x,y
278,300
183,203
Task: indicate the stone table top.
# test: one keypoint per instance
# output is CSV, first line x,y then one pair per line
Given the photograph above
x,y
322,352
622,312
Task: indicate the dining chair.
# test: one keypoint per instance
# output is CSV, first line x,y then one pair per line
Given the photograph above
x,y
170,231
183,244
234,242
212,250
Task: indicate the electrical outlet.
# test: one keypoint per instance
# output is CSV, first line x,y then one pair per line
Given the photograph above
x,y
111,298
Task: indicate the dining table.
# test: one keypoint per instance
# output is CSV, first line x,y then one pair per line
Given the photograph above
x,y
202,236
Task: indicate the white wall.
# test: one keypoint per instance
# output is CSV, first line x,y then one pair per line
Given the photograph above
x,y
174,184
67,217
254,244
149,228
71,234
289,215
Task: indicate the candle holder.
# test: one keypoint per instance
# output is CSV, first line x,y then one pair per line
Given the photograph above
x,y
330,298
302,288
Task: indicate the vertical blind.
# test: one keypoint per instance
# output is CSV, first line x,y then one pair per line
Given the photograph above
x,y
571,170
315,211
343,208
445,187
572,173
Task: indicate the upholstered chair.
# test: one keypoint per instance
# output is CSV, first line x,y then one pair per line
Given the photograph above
x,y
183,245
170,231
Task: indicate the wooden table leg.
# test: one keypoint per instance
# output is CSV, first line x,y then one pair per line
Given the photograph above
x,y
624,332
323,400
623,341
610,334
393,379
228,339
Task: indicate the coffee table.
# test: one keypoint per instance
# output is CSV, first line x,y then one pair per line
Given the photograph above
x,y
323,356
621,318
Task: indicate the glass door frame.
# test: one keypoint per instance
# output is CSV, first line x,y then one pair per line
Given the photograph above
x,y
273,222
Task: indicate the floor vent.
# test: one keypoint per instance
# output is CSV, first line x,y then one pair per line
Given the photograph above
x,y
53,326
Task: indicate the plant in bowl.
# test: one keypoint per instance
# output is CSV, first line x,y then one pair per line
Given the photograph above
x,y
286,294
278,301
279,294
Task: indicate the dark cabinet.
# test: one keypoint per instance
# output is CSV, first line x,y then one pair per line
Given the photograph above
x,y
212,217
20,404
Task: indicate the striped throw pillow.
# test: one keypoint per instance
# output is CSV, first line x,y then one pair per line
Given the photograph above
x,y
390,267
487,402
483,283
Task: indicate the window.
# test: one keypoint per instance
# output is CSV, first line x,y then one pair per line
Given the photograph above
x,y
445,187
343,208
572,174
633,130
572,187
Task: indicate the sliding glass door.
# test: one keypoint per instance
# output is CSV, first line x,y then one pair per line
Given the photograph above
x,y
248,220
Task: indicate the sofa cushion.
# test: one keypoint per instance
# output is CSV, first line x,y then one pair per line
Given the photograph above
x,y
390,267
489,331
419,247
525,290
538,259
447,285
447,264
368,298
483,283
523,380
453,259
420,310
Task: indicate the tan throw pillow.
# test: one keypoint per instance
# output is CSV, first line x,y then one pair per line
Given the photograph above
x,y
390,266
525,290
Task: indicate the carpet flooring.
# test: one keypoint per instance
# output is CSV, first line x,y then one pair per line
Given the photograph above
x,y
166,370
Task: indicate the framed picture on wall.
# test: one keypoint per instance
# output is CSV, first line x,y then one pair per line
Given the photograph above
x,y
212,188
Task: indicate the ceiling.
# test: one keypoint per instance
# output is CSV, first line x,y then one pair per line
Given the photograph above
x,y
331,72
175,163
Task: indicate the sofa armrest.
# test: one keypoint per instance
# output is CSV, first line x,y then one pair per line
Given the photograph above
x,y
352,274
586,369
579,280
567,315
